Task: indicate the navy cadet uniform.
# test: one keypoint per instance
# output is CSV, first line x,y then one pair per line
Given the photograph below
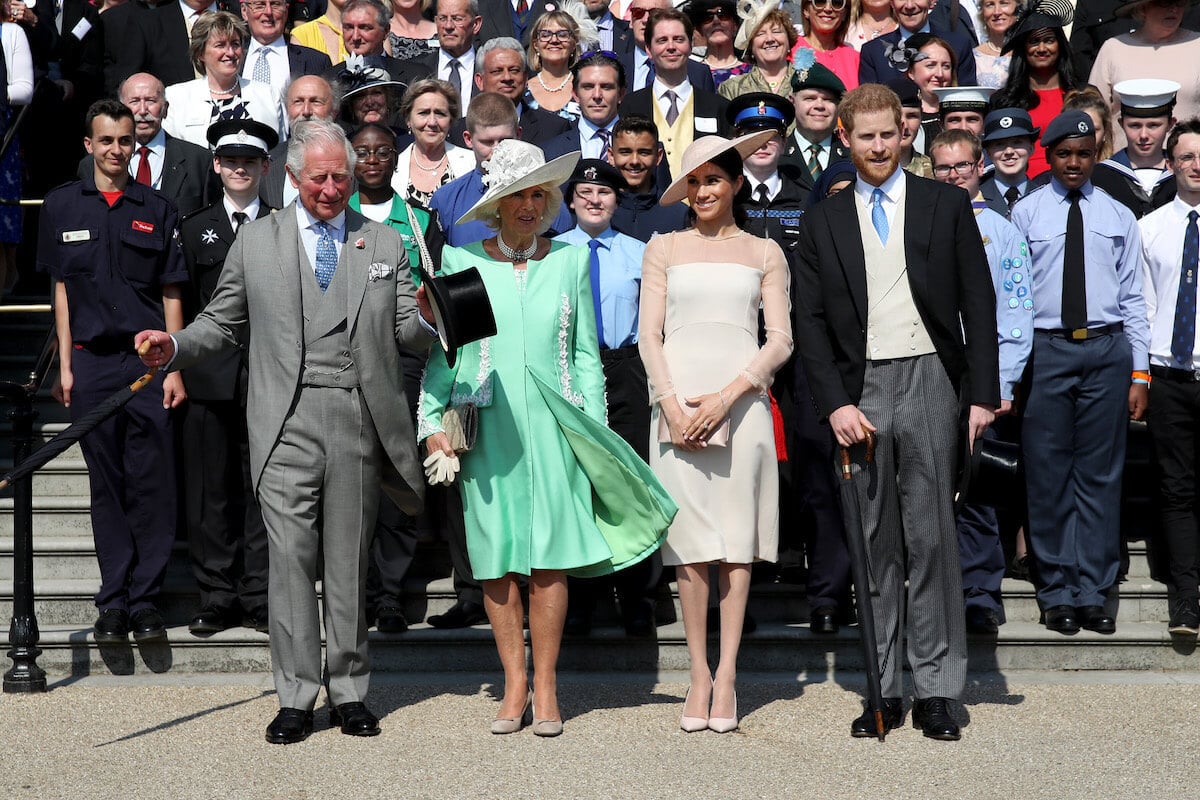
x,y
809,501
1140,190
616,274
1076,410
114,263
227,539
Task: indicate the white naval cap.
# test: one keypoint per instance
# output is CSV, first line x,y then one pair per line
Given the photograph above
x,y
1147,97
963,98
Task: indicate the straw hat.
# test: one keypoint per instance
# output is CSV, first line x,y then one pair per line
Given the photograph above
x,y
514,167
705,149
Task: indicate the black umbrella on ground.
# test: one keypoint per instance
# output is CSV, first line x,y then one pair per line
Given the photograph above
x,y
862,584
77,430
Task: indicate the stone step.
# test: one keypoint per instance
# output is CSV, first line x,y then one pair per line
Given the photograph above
x,y
58,516
772,648
65,476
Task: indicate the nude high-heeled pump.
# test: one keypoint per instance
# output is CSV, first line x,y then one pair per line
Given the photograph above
x,y
692,724
502,725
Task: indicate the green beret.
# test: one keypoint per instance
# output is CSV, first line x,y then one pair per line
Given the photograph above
x,y
811,75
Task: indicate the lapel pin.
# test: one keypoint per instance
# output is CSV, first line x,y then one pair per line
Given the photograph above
x,y
360,244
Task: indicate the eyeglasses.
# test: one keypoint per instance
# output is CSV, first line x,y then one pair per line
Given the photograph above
x,y
836,5
1186,159
714,14
962,168
638,13
458,19
382,153
262,5
561,35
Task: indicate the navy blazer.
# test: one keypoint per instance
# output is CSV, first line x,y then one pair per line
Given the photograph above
x,y
499,20
306,61
874,68
537,127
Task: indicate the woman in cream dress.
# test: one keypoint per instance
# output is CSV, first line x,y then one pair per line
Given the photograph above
x,y
713,441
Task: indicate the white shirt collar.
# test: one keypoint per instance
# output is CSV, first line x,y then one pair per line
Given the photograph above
x,y
190,13
307,220
278,46
157,145
892,188
683,91
774,184
251,210
467,60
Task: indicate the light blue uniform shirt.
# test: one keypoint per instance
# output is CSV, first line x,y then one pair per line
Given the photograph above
x,y
620,282
1112,254
1008,255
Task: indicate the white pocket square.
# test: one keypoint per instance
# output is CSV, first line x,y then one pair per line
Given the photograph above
x,y
380,271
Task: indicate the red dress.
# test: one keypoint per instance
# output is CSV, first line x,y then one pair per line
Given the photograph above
x,y
1049,107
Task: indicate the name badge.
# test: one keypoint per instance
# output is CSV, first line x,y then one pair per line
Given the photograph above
x,y
706,124
76,236
81,29
143,227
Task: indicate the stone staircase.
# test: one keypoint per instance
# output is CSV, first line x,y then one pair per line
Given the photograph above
x,y
66,576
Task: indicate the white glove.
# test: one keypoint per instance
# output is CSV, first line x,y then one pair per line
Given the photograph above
x,y
441,468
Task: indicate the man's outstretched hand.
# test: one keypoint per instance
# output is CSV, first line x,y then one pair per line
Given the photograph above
x,y
155,347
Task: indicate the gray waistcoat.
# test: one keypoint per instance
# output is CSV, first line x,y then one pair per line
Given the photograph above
x,y
327,358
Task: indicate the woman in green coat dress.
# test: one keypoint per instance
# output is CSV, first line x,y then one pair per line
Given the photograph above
x,y
548,489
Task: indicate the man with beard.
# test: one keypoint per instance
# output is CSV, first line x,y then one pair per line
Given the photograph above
x,y
178,170
895,319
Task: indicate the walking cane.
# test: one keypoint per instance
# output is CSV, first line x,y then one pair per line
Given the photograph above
x,y
862,586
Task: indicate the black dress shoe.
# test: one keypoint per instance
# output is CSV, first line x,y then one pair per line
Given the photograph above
x,y
1093,618
290,725
212,619
893,717
1061,619
1185,618
824,620
111,626
390,619
982,621
147,625
932,716
462,614
258,620
355,719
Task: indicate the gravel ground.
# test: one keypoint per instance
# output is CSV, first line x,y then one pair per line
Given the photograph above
x,y
1035,735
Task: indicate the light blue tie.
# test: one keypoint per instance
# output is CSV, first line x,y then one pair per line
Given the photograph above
x,y
879,216
326,256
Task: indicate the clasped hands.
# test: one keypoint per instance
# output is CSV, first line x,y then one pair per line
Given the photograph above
x,y
691,432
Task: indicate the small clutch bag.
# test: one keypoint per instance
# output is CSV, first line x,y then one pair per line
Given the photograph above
x,y
718,438
461,425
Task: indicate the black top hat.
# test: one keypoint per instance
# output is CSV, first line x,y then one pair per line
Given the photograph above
x,y
462,311
991,475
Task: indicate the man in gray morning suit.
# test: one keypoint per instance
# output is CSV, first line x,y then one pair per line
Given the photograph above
x,y
323,300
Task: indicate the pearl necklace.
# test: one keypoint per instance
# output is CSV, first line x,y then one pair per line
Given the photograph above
x,y
514,255
558,88
434,168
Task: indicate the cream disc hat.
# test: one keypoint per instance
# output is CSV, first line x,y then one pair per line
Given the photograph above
x,y
515,166
752,12
705,149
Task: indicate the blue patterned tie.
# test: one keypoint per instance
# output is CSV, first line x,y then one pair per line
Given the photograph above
x,y
262,68
594,269
1183,338
326,256
879,216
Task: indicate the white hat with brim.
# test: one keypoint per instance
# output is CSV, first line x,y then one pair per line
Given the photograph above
x,y
514,167
705,149
752,12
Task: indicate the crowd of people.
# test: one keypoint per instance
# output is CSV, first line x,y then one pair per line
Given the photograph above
x,y
720,242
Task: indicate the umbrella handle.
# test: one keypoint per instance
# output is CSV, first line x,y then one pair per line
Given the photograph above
x,y
845,454
141,382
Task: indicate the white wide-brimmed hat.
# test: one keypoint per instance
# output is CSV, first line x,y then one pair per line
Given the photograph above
x,y
752,12
515,166
705,149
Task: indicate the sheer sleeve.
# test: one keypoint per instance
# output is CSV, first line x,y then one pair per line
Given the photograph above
x,y
777,311
652,315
